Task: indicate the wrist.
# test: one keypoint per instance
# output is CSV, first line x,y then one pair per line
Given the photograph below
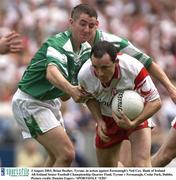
x,y
69,89
99,121
135,124
171,88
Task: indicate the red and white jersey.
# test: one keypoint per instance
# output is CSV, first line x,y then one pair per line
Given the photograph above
x,y
173,123
129,74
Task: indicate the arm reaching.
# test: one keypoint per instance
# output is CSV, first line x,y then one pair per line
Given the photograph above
x,y
160,75
58,80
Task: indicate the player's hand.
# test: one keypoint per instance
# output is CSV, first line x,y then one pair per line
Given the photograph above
x,y
11,42
4,46
101,127
79,95
123,121
14,42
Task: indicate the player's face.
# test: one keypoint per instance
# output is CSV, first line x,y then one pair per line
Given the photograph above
x,y
84,28
104,68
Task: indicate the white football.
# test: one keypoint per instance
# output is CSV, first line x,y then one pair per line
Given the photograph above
x,y
128,101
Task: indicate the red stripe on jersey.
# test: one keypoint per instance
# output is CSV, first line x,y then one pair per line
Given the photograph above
x,y
174,126
140,77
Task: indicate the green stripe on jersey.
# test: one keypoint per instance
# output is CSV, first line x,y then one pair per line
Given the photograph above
x,y
33,126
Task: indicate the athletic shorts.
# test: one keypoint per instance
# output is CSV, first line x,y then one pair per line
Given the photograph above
x,y
116,133
35,117
173,124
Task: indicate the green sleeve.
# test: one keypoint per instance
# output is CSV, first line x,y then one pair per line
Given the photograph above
x,y
58,58
127,47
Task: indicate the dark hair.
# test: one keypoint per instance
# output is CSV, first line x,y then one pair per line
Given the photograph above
x,y
83,8
103,47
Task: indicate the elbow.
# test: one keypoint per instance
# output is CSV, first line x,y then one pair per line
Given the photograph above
x,y
48,76
49,73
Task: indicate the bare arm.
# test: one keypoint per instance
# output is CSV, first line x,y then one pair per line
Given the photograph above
x,y
94,108
160,75
150,109
58,80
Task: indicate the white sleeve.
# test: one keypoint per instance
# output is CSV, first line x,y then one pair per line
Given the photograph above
x,y
86,78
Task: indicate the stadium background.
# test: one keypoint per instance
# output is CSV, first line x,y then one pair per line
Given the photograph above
x,y
149,24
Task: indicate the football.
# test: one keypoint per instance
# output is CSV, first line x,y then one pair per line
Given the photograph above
x,y
128,101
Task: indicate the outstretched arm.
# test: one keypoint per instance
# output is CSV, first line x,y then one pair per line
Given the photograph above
x,y
154,69
160,75
58,80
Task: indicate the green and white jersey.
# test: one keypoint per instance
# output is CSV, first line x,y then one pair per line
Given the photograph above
x,y
57,50
124,46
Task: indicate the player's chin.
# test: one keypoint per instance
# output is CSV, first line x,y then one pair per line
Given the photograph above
x,y
103,80
84,38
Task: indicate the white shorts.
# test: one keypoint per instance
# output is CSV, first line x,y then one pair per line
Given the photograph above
x,y
151,122
35,117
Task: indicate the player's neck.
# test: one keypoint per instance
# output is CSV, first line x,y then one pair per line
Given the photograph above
x,y
91,41
114,76
76,45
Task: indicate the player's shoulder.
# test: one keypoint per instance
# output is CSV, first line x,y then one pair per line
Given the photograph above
x,y
108,36
87,78
118,41
126,61
59,39
85,71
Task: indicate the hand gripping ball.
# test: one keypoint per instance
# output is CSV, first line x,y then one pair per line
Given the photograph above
x,y
128,101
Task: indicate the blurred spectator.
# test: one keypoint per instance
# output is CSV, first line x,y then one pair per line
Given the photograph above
x,y
29,155
8,138
7,131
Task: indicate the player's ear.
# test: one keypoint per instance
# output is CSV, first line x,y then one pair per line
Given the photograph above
x,y
97,23
71,21
116,60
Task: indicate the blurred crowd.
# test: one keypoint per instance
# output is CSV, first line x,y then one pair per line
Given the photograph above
x,y
149,24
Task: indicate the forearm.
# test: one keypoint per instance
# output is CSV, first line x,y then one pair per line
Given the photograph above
x,y
149,110
160,75
58,80
95,110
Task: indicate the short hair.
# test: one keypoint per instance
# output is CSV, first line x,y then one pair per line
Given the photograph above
x,y
103,47
83,8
